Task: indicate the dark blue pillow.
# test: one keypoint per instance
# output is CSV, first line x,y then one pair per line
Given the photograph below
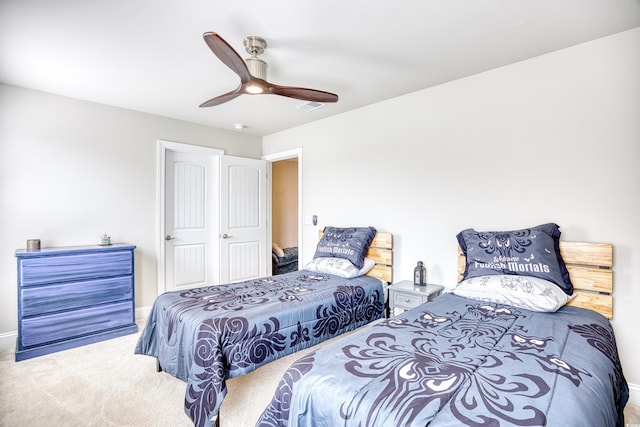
x,y
532,251
348,243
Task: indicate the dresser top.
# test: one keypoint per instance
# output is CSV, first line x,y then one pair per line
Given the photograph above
x,y
71,250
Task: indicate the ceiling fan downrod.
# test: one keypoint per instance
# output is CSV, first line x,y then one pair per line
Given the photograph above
x,y
255,46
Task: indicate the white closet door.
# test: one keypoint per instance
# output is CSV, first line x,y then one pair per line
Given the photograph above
x,y
243,219
189,220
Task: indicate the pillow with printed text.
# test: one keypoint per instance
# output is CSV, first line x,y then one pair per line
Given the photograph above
x,y
348,243
531,251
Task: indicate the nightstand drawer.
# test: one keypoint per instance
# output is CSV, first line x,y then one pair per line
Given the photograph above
x,y
406,300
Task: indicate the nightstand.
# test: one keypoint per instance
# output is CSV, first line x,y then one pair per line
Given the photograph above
x,y
405,295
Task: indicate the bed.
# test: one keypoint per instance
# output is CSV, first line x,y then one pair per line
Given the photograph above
x,y
283,260
486,355
206,335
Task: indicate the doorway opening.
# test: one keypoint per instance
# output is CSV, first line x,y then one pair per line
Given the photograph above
x,y
285,210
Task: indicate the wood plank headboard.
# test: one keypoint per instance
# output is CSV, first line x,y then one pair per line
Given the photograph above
x,y
381,251
590,267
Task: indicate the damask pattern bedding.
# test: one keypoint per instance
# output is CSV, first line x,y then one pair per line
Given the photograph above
x,y
458,361
206,335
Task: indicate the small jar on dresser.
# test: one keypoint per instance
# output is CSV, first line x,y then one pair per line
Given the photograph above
x,y
406,295
68,297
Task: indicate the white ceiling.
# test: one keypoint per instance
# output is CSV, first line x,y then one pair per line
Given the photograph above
x,y
149,55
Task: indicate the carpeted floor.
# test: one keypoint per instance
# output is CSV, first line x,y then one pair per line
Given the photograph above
x,y
105,384
632,416
102,384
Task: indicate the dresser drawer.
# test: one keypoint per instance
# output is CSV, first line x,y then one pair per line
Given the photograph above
x,y
38,300
53,327
40,271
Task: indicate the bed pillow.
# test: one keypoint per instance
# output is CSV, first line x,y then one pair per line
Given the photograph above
x,y
276,249
530,293
339,267
347,243
532,251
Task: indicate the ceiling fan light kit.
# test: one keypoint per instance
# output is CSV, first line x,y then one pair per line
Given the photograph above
x,y
253,73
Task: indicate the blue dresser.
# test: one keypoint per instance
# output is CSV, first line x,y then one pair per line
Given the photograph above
x,y
68,297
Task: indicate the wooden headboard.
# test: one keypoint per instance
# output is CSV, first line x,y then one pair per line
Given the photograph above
x,y
381,251
590,268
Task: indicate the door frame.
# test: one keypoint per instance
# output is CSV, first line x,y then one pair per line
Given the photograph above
x,y
162,147
270,158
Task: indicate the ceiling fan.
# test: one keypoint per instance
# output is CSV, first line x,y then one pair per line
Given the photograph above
x,y
253,73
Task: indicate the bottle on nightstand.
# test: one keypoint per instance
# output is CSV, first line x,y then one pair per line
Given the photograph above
x,y
420,274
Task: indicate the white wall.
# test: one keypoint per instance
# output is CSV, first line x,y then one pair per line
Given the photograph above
x,y
552,139
71,170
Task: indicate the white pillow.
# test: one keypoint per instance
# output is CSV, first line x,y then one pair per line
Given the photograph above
x,y
339,267
530,293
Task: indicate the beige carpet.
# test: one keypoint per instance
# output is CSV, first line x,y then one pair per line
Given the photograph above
x,y
105,384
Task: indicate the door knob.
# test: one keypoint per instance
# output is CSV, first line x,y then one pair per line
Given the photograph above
x,y
226,236
167,237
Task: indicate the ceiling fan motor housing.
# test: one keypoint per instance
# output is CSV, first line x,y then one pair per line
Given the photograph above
x,y
255,46
257,67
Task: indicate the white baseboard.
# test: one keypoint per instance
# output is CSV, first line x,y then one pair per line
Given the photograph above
x,y
634,394
142,312
8,341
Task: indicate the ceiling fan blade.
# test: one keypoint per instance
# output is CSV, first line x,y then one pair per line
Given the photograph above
x,y
303,93
221,99
227,55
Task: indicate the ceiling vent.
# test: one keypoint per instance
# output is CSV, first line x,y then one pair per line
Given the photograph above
x,y
310,106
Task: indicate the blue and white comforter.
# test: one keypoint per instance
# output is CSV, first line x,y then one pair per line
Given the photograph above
x,y
206,335
455,362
